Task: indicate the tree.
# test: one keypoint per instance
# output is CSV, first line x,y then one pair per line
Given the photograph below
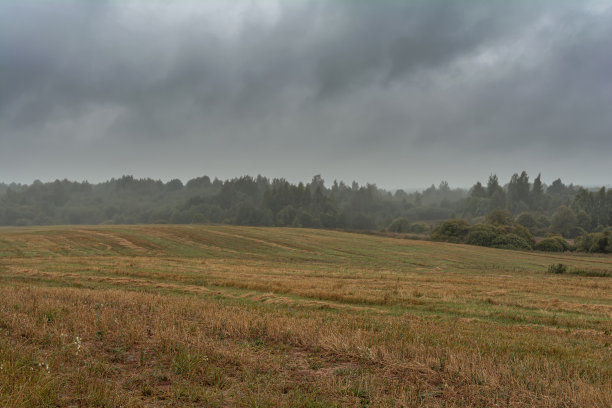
x,y
444,187
601,211
564,222
526,220
174,185
557,188
399,225
317,182
518,191
500,217
478,191
199,182
584,220
493,185
498,200
537,193
496,193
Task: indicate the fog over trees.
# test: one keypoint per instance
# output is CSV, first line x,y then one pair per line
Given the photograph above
x,y
540,209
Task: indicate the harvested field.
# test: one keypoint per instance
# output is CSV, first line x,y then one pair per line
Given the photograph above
x,y
211,316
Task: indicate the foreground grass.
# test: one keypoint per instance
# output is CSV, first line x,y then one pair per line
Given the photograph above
x,y
257,317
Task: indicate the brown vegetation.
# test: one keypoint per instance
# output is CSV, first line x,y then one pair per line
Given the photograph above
x,y
257,317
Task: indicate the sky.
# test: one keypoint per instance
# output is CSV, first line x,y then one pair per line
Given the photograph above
x,y
398,93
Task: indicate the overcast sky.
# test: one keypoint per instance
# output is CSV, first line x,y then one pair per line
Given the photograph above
x,y
399,93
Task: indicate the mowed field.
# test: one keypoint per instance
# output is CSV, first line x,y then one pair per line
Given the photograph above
x,y
219,316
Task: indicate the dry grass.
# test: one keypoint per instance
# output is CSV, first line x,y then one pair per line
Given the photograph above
x,y
258,317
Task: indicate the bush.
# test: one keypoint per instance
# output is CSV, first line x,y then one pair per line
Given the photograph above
x,y
399,225
557,268
598,242
500,217
526,220
418,228
510,241
482,235
590,272
517,230
552,244
451,231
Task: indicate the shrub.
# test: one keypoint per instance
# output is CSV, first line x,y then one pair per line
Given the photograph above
x,y
500,217
418,228
566,245
482,235
453,230
557,268
590,272
552,244
517,230
399,225
526,220
598,242
510,241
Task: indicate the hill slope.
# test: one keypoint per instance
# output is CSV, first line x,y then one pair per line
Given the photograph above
x,y
184,315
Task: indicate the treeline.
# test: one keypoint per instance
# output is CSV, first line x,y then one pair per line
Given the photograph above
x,y
567,210
539,209
257,201
511,216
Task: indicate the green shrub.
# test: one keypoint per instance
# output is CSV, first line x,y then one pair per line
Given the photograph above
x,y
453,230
557,268
591,272
526,220
560,269
517,230
418,228
598,242
566,245
399,225
549,245
482,235
510,241
553,244
488,235
499,217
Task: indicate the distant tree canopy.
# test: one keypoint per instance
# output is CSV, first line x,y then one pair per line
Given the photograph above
x,y
243,201
520,205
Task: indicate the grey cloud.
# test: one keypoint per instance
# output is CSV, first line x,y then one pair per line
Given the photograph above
x,y
368,90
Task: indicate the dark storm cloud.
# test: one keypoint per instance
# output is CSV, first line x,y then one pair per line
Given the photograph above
x,y
402,93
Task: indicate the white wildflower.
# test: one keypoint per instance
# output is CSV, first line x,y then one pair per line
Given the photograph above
x,y
77,343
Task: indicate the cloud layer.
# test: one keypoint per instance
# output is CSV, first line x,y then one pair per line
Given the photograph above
x,y
398,93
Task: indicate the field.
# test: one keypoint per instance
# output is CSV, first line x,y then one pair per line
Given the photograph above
x,y
219,316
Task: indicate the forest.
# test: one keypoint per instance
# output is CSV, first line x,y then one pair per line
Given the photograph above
x,y
517,214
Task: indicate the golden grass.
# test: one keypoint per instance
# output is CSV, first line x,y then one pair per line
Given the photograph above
x,y
257,317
